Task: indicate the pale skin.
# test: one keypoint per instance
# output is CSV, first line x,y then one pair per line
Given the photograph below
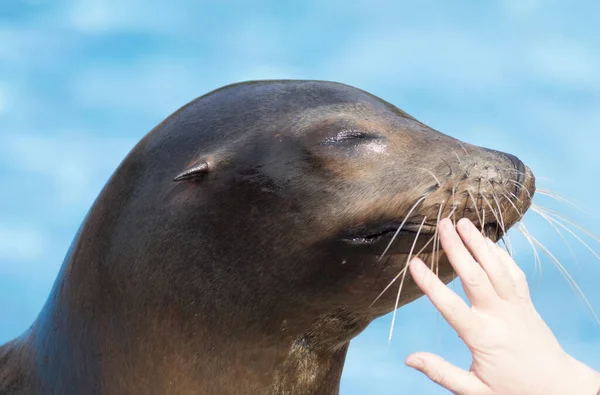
x,y
514,351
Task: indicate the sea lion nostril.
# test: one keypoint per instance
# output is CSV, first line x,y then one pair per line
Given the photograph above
x,y
520,172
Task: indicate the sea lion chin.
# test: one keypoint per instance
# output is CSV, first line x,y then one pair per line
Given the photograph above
x,y
241,245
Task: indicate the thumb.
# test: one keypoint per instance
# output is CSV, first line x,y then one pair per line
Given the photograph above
x,y
447,375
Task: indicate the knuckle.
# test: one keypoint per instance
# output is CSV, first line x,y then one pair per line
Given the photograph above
x,y
437,377
461,320
454,311
501,272
478,343
520,275
522,296
499,275
474,279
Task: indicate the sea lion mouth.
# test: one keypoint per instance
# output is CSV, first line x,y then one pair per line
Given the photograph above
x,y
378,233
386,232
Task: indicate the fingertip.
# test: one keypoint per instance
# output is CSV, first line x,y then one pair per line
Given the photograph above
x,y
415,362
416,262
447,375
464,224
467,231
446,223
418,268
446,227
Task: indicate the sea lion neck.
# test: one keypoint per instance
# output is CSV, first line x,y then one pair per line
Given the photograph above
x,y
155,343
163,351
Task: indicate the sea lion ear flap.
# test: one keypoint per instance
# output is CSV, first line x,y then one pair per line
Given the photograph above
x,y
195,172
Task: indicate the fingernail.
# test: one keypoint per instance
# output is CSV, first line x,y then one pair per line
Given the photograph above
x,y
415,362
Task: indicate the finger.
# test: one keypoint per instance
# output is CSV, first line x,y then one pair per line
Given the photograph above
x,y
450,305
516,273
488,258
475,282
447,375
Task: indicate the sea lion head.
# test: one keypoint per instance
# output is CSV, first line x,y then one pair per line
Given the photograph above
x,y
274,201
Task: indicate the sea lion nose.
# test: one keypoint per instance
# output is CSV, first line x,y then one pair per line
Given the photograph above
x,y
520,173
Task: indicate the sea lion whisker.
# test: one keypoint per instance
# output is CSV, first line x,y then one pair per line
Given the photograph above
x,y
452,214
566,275
503,240
425,246
567,220
414,207
437,180
522,187
434,258
405,270
437,255
493,211
514,206
552,258
503,224
463,147
457,157
475,205
557,222
438,252
399,274
454,152
551,222
389,285
464,206
482,220
537,261
560,198
520,216
513,195
449,167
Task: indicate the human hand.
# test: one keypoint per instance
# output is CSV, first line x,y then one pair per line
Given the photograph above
x,y
514,351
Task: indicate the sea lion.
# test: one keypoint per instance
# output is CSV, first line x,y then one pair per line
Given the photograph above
x,y
238,248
